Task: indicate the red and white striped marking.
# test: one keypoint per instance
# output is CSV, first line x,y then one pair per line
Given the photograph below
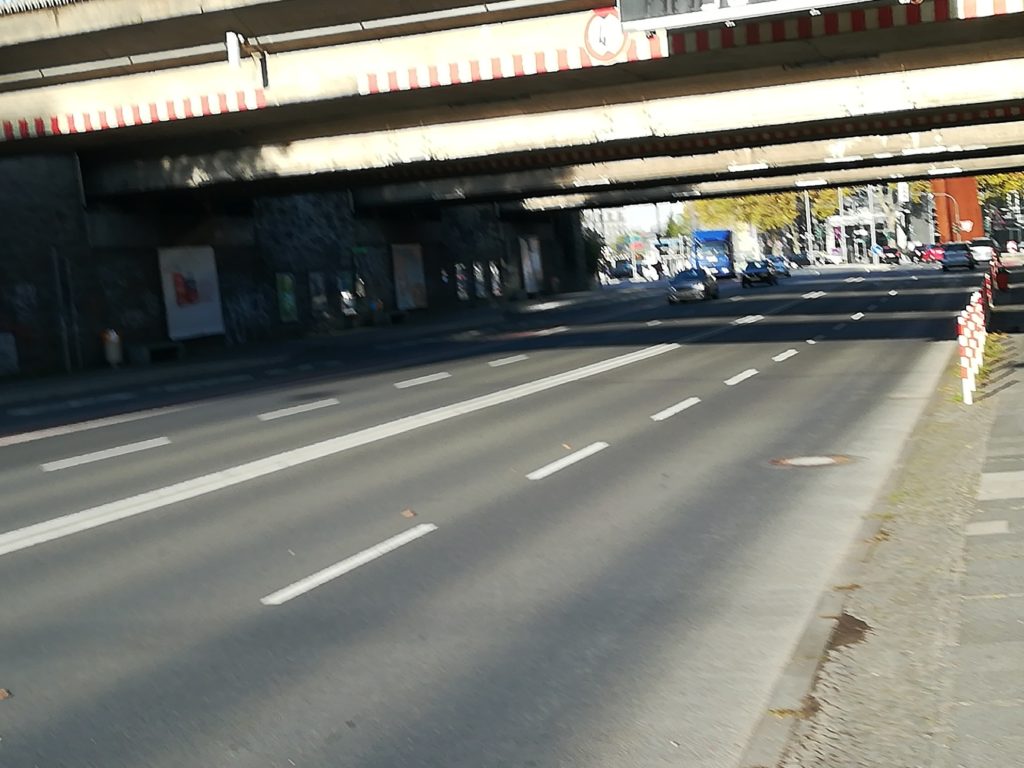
x,y
505,66
972,324
127,115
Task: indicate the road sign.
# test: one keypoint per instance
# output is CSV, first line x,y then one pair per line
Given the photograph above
x,y
676,14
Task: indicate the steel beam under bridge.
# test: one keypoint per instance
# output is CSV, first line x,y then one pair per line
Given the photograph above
x,y
790,110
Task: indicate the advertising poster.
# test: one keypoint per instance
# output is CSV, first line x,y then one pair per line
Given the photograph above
x,y
191,292
533,273
286,302
410,281
318,295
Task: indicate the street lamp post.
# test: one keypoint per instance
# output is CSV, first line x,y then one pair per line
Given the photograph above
x,y
956,210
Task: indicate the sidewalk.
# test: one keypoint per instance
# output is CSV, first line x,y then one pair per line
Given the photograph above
x,y
291,354
925,665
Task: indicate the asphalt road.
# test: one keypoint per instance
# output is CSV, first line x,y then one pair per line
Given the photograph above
x,y
547,545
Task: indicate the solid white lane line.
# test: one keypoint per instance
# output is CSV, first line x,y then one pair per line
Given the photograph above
x,y
76,522
330,573
785,355
747,319
84,426
508,360
566,461
653,323
109,453
422,380
740,377
857,316
672,410
313,406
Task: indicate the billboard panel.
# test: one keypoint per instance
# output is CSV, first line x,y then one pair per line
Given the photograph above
x,y
191,292
677,14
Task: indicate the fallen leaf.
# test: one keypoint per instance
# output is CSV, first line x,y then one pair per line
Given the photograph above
x,y
5,694
567,446
408,513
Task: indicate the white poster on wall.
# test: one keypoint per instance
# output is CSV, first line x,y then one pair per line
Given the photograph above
x,y
191,292
410,281
533,272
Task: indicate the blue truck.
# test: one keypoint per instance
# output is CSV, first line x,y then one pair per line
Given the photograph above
x,y
712,250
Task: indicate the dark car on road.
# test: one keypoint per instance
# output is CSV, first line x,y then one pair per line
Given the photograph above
x,y
759,272
957,255
621,269
694,283
890,255
780,264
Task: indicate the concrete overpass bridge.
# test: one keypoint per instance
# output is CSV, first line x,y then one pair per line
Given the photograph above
x,y
388,110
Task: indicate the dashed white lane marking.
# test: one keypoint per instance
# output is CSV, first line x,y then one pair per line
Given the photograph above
x,y
987,528
854,280
332,572
87,519
672,410
429,378
84,426
508,360
736,298
78,402
652,323
857,316
109,453
1001,485
743,376
893,293
313,406
552,331
812,341
785,355
566,461
913,277
814,295
747,319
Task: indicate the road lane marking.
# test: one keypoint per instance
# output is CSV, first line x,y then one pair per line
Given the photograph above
x,y
332,572
566,461
735,298
552,331
812,341
748,319
85,426
785,355
508,360
857,316
893,293
652,323
743,376
429,378
814,295
78,402
87,519
672,410
283,412
109,453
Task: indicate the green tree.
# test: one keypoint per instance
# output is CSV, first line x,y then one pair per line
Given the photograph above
x,y
994,187
677,227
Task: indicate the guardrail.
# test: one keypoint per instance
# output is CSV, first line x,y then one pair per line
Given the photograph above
x,y
972,331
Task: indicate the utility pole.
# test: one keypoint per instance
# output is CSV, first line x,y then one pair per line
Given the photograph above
x,y
871,216
807,212
842,227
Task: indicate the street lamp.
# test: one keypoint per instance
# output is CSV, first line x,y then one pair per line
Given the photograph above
x,y
956,210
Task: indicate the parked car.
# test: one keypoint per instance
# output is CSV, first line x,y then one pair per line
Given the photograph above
x,y
781,265
621,269
800,260
957,255
984,249
932,253
916,252
693,283
890,255
758,272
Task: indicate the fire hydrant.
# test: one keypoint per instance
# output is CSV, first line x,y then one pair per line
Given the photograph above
x,y
1003,279
112,350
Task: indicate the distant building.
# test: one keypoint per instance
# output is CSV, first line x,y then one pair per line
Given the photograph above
x,y
610,223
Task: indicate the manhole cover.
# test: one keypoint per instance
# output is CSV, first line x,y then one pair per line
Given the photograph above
x,y
811,461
